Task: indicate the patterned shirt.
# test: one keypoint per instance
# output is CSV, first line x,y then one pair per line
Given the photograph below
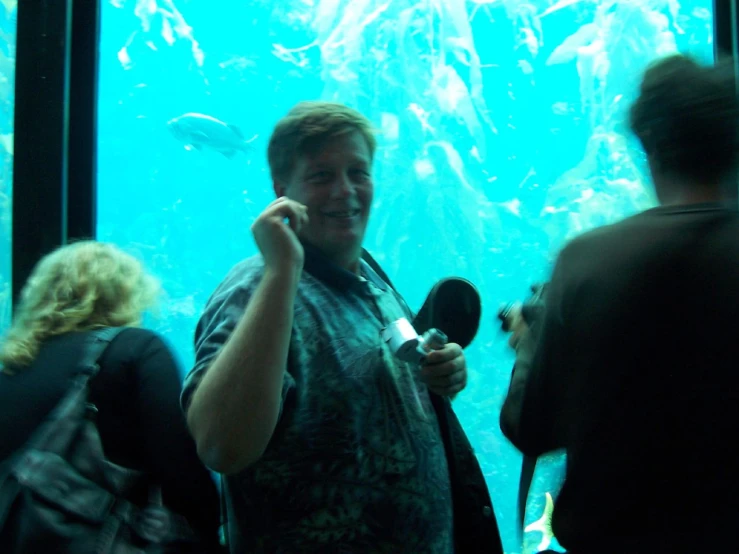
x,y
356,463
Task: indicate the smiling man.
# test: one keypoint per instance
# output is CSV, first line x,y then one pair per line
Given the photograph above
x,y
328,442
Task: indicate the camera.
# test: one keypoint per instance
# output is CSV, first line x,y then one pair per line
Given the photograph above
x,y
406,344
532,310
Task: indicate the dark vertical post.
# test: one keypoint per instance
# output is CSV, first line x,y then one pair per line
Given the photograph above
x,y
722,28
726,43
41,138
734,18
83,87
725,34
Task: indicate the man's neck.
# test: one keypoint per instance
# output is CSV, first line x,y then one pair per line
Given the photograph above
x,y
350,263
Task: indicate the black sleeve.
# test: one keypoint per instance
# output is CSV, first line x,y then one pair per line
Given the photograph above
x,y
187,486
531,417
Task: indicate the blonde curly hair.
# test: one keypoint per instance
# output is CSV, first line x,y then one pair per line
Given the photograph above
x,y
80,286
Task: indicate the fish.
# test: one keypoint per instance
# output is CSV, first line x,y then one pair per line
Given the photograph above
x,y
201,131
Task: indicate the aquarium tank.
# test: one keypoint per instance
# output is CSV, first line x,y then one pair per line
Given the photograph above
x,y
8,20
501,129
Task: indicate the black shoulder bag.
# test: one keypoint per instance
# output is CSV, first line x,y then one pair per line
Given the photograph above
x,y
59,493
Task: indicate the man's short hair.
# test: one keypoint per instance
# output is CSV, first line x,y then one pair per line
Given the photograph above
x,y
687,119
306,128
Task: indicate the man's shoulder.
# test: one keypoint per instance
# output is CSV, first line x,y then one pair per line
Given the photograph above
x,y
236,287
242,275
602,236
246,269
640,231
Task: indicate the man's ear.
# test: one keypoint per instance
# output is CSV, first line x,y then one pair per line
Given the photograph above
x,y
278,187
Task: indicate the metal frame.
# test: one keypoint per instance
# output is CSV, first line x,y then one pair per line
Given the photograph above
x,y
55,131
726,43
83,116
725,38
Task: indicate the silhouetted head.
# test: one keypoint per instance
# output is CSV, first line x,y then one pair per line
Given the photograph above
x,y
320,154
687,119
81,286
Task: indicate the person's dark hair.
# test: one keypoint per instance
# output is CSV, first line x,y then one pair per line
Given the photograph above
x,y
687,119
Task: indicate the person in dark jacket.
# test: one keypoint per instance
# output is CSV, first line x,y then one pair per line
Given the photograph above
x,y
635,369
327,440
90,285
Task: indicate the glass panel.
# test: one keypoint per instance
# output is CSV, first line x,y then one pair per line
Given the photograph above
x,y
502,136
8,21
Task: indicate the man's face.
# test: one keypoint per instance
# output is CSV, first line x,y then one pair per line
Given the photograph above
x,y
335,184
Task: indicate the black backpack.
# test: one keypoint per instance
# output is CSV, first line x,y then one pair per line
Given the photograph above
x,y
58,493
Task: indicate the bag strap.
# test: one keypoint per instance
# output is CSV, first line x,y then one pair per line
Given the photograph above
x,y
180,528
223,531
98,342
367,257
528,468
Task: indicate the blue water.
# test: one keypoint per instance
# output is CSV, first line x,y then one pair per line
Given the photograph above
x,y
8,19
502,136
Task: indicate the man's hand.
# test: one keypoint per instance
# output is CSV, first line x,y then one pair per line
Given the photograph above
x,y
445,371
278,240
518,327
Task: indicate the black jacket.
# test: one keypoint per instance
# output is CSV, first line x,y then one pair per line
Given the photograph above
x,y
635,375
475,525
